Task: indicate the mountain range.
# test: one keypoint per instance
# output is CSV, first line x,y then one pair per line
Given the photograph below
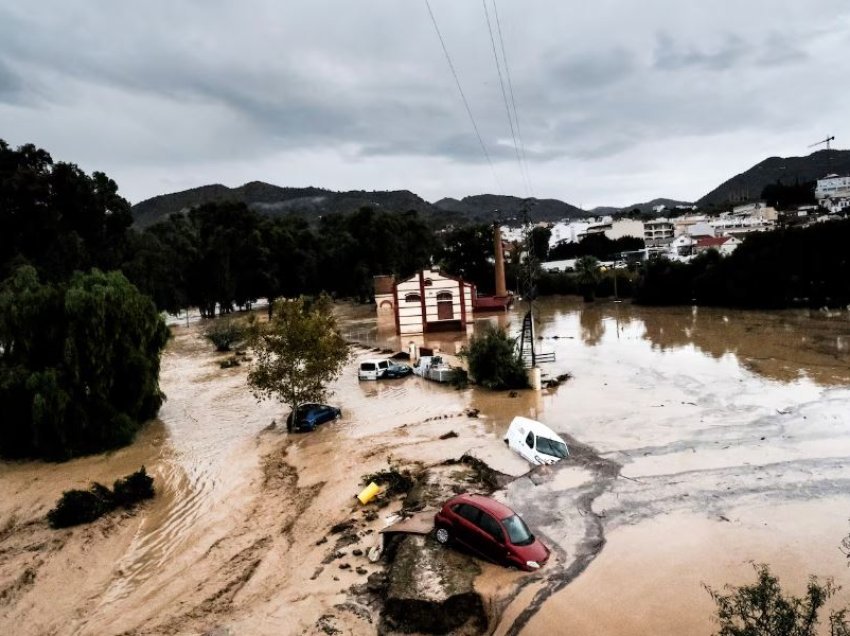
x,y
313,202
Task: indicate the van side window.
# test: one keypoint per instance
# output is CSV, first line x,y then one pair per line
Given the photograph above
x,y
367,366
491,527
530,440
383,364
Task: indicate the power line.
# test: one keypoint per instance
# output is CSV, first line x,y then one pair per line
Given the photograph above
x,y
463,96
513,101
504,94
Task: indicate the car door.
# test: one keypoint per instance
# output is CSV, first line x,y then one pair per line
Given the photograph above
x,y
466,530
492,538
382,368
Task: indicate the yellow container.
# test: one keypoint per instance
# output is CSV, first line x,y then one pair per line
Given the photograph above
x,y
369,493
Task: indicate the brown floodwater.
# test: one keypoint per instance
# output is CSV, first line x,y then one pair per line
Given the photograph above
x,y
702,437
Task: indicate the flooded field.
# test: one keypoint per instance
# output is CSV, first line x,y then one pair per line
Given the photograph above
x,y
703,440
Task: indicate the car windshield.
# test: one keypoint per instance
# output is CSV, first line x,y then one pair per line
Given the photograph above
x,y
551,447
517,530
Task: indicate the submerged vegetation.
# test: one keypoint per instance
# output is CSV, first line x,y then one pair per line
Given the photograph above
x,y
494,361
762,609
84,506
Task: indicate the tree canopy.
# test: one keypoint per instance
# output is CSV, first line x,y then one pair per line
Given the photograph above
x,y
79,363
298,352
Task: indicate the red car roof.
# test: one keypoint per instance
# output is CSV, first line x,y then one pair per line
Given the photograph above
x,y
498,510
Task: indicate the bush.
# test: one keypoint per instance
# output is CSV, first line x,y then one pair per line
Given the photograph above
x,y
761,609
84,506
494,361
224,333
133,488
81,506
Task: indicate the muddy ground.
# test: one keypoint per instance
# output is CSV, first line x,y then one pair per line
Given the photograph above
x,y
702,440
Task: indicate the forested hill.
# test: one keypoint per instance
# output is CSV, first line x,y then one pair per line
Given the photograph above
x,y
748,185
486,207
274,200
311,203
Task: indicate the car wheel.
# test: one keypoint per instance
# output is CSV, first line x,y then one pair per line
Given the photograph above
x,y
442,536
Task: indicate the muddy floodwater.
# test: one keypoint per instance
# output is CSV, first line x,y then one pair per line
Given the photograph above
x,y
702,440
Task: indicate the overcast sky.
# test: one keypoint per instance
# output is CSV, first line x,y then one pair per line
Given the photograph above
x,y
618,101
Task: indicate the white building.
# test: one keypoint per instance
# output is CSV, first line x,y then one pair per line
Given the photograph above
x,y
658,233
833,193
625,227
427,301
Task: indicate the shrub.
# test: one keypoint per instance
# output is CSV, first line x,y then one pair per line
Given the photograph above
x,y
761,609
81,506
224,333
133,489
84,506
494,361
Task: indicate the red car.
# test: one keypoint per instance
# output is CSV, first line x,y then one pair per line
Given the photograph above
x,y
491,530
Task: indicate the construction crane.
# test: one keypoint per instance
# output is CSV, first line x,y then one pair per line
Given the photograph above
x,y
824,141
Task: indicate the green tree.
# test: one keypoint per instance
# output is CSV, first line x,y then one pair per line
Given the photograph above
x,y
494,361
79,364
57,218
298,352
589,275
467,251
761,609
540,242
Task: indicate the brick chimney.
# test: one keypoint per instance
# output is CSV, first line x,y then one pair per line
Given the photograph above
x,y
498,251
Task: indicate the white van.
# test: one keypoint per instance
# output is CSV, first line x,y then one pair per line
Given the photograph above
x,y
372,369
536,442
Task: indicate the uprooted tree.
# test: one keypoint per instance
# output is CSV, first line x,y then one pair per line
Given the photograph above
x,y
761,609
298,352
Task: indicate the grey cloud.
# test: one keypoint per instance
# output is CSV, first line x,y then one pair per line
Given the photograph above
x,y
673,56
599,69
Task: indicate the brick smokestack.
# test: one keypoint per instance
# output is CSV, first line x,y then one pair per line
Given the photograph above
x,y
498,251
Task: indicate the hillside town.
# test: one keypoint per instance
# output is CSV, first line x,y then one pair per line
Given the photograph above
x,y
682,232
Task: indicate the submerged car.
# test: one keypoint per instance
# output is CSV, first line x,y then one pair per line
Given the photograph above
x,y
382,369
396,370
491,530
535,441
308,416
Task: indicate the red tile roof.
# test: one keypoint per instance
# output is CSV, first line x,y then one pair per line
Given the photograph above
x,y
712,241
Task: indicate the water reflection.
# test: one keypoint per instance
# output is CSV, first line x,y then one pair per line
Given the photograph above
x,y
780,345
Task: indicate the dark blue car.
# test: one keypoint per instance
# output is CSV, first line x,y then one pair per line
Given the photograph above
x,y
308,416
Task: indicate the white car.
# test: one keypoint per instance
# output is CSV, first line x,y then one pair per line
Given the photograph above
x,y
535,441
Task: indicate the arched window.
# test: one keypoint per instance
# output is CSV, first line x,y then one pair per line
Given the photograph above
x,y
444,296
413,298
428,282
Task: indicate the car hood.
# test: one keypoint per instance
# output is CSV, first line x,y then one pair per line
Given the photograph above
x,y
535,551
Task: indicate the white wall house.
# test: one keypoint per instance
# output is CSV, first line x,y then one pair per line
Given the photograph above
x,y
833,193
427,301
625,227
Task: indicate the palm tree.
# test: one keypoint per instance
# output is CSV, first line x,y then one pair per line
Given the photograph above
x,y
588,274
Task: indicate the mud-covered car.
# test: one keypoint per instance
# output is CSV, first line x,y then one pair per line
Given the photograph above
x,y
308,416
491,530
396,370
